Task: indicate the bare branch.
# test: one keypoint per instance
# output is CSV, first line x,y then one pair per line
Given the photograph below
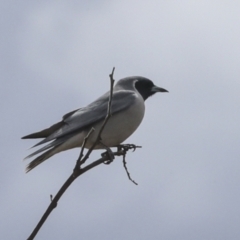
x,y
65,186
78,171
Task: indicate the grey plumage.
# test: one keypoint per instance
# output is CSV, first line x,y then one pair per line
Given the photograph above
x,y
127,111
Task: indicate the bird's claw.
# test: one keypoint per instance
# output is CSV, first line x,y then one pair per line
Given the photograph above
x,y
126,147
109,154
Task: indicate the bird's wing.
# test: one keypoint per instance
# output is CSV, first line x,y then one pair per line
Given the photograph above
x,y
83,118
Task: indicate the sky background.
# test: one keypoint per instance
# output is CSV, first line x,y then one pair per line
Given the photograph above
x,y
56,56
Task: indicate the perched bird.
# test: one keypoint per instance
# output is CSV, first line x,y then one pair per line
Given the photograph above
x,y
127,111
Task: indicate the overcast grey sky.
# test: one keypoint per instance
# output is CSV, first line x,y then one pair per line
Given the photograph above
x,y
56,57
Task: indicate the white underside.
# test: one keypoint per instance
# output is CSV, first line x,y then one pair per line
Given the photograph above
x,y
118,128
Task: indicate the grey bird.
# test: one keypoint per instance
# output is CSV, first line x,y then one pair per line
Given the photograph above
x,y
127,112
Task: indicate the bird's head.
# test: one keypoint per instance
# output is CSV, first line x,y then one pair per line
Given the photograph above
x,y
146,87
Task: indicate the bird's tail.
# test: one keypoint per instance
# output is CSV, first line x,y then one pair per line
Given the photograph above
x,y
47,151
42,158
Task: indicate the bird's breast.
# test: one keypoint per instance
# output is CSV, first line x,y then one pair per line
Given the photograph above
x,y
120,125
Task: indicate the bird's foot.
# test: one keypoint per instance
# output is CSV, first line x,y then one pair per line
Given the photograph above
x,y
109,154
126,147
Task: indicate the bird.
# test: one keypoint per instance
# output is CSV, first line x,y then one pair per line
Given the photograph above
x,y
127,111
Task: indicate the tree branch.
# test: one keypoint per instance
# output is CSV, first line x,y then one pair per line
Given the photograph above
x,y
78,171
64,187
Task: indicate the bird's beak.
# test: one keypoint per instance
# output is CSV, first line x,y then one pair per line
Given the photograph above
x,y
158,89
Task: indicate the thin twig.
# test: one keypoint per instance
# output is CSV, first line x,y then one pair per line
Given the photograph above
x,y
125,163
128,174
109,103
78,163
105,120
